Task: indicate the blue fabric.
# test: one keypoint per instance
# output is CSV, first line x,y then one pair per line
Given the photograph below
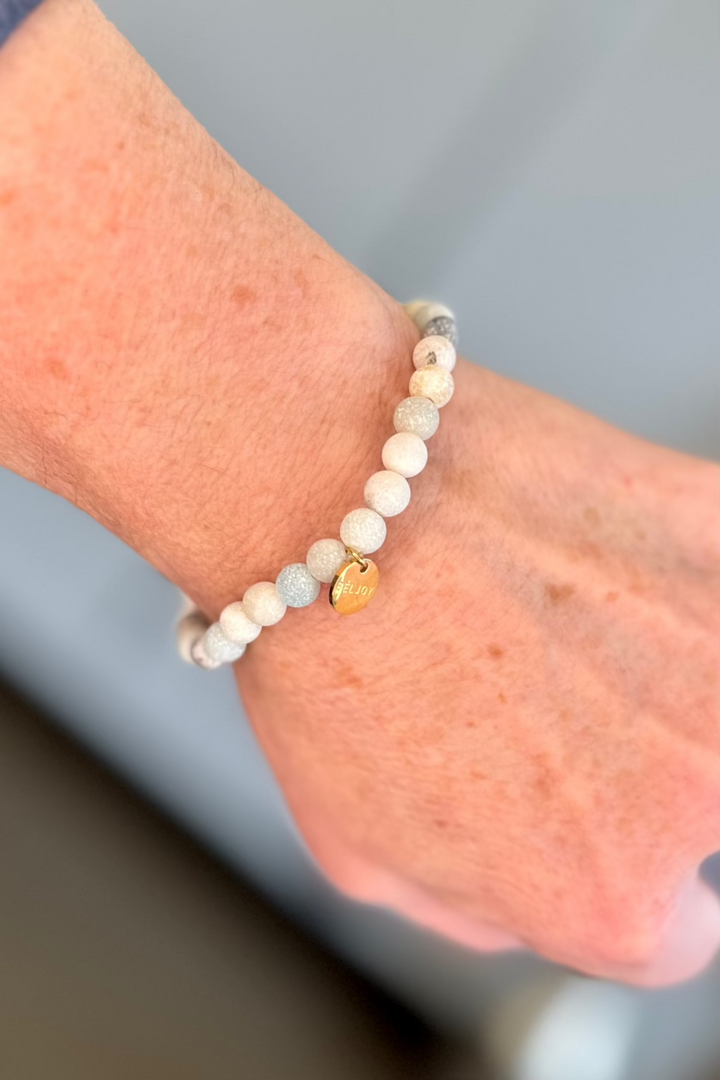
x,y
12,13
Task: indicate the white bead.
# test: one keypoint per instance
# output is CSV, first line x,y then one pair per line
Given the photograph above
x,y
405,453
218,648
262,604
433,382
418,415
364,530
325,558
422,311
188,632
435,350
387,492
236,625
296,586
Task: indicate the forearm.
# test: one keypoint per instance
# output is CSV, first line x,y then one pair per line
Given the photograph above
x,y
181,355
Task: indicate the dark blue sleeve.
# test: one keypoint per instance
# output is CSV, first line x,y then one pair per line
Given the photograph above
x,y
12,13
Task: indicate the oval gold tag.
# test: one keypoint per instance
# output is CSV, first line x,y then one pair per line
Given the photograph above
x,y
353,587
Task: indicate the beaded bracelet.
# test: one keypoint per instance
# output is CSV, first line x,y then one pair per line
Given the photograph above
x,y
343,563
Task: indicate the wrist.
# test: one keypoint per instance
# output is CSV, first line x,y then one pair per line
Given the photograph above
x,y
185,359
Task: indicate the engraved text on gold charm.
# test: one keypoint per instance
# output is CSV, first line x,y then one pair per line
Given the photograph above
x,y
353,587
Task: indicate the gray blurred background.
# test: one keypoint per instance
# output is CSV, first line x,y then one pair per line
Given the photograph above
x,y
549,169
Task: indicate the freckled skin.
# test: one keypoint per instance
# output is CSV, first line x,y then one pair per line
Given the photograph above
x,y
516,741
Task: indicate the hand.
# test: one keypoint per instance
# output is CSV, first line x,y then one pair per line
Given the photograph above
x,y
516,741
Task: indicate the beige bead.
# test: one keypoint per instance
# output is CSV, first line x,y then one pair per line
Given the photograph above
x,y
414,307
435,350
262,603
387,492
422,311
405,453
433,382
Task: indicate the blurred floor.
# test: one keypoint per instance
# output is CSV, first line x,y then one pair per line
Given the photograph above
x,y
128,953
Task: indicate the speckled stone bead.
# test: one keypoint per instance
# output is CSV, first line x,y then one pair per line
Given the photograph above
x,y
218,648
262,604
442,326
433,382
325,558
236,625
364,530
296,586
418,415
387,492
434,350
188,632
405,453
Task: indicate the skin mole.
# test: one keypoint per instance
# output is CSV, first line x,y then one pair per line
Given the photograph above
x,y
557,594
242,295
56,367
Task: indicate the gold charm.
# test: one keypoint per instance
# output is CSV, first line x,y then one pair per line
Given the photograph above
x,y
354,585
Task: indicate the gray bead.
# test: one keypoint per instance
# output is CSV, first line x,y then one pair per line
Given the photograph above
x,y
296,586
444,326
